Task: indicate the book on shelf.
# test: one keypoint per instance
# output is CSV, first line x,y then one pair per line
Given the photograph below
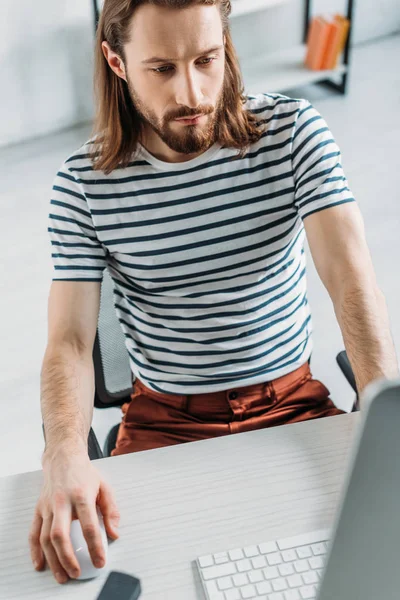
x,y
326,41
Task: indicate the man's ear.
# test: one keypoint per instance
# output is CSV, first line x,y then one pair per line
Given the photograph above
x,y
114,61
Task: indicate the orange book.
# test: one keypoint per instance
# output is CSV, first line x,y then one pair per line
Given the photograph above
x,y
317,43
345,28
312,37
332,44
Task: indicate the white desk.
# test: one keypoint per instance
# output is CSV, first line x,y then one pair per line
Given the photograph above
x,y
184,501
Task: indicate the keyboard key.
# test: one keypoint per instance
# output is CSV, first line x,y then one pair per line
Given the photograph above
x,y
274,559
292,595
259,562
304,540
286,569
219,571
206,561
241,579
213,592
308,592
264,588
289,555
268,547
236,554
224,583
276,596
251,551
232,595
221,558
243,565
318,549
279,584
303,552
316,562
270,573
294,581
310,577
256,576
301,566
249,591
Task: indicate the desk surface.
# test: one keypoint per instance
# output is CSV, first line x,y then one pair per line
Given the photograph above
x,y
184,501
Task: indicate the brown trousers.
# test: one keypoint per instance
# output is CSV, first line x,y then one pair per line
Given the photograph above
x,y
153,419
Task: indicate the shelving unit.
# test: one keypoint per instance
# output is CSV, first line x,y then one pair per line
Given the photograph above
x,y
280,71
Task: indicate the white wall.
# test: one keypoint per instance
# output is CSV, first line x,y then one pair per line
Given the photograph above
x,y
46,50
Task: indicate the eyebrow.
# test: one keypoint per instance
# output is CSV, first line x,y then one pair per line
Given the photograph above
x,y
157,59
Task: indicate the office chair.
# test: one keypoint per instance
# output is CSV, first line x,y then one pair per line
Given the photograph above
x,y
113,378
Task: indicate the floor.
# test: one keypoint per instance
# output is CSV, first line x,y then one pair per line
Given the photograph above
x,y
366,126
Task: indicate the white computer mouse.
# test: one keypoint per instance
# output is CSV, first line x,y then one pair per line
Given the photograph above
x,y
79,545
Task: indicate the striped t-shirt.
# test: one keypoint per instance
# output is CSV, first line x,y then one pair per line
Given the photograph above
x,y
207,256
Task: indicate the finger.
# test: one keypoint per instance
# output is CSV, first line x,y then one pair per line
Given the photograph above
x,y
87,515
49,552
61,539
37,555
108,507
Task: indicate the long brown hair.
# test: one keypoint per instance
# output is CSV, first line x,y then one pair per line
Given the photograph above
x,y
117,124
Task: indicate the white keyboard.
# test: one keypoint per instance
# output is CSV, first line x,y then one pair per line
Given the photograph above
x,y
286,569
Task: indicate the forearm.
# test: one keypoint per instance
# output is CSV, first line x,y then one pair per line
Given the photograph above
x,y
363,318
67,392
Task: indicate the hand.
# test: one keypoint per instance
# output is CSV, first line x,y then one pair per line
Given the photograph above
x,y
72,488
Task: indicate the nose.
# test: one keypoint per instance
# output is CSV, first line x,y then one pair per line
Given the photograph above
x,y
188,92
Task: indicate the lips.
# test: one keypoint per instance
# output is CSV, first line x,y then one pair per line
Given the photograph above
x,y
189,118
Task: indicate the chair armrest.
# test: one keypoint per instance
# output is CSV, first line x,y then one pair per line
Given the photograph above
x,y
345,366
94,449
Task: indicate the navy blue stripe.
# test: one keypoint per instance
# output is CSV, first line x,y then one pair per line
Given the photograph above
x,y
322,196
75,256
235,376
321,184
226,208
311,168
62,232
311,212
202,275
67,176
80,245
58,188
68,220
135,302
223,328
199,259
227,290
71,207
76,268
322,144
244,348
197,244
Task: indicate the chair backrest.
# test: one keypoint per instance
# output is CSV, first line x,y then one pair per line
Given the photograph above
x,y
113,376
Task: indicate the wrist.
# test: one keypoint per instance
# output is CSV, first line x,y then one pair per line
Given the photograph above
x,y
64,451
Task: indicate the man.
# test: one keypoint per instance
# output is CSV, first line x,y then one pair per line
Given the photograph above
x,y
201,223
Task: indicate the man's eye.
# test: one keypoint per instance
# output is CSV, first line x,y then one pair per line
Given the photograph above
x,y
204,62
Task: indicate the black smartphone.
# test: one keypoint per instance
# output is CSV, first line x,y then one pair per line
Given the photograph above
x,y
120,586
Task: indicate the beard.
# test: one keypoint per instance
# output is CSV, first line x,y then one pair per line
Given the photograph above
x,y
185,139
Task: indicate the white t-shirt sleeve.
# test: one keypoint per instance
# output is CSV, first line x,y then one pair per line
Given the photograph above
x,y
319,179
77,253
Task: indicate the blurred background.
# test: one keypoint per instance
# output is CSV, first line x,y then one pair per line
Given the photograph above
x,y
46,107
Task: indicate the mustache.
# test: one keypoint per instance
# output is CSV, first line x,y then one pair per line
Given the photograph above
x,y
188,114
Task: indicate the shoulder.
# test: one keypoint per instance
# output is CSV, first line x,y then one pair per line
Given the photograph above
x,y
274,105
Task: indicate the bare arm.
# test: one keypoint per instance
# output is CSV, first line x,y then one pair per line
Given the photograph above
x,y
67,376
338,245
